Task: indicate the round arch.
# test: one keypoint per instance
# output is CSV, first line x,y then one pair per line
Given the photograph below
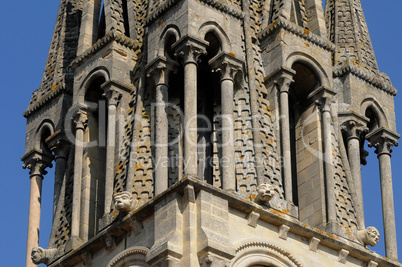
x,y
45,130
310,62
85,85
262,253
215,28
370,103
170,30
134,256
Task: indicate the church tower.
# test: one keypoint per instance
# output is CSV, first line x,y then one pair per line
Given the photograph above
x,y
210,133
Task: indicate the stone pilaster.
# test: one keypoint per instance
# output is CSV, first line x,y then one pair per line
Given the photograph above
x,y
36,162
383,140
228,67
159,71
190,48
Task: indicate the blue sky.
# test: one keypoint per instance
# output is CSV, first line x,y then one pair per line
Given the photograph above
x,y
26,31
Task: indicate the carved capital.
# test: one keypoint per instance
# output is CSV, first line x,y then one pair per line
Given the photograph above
x,y
59,145
227,65
354,129
281,79
190,49
80,120
383,140
159,70
37,162
113,97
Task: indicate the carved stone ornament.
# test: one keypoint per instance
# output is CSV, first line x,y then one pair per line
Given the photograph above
x,y
41,255
124,202
265,192
369,236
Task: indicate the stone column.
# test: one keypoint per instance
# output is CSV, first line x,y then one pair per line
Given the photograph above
x,y
159,71
81,121
286,80
36,162
227,66
190,48
353,131
61,148
113,98
383,140
329,177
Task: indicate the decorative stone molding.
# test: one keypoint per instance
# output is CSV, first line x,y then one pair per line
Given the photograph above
x,y
37,162
383,140
227,65
41,255
87,258
224,7
59,145
354,129
80,120
343,254
297,30
101,43
369,236
190,48
373,79
283,232
254,252
124,202
113,97
314,242
159,69
253,219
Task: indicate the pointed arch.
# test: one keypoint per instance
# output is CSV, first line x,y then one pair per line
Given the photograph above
x,y
171,32
92,76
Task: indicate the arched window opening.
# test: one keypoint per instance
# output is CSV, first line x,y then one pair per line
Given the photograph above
x,y
169,52
46,133
209,109
374,122
94,160
125,18
101,22
305,130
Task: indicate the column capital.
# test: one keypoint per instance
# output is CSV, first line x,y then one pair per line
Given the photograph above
x,y
159,69
113,97
190,48
227,65
37,162
282,78
383,140
80,119
59,145
354,129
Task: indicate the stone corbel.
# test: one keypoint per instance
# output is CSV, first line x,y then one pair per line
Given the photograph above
x,y
343,255
212,260
283,232
41,255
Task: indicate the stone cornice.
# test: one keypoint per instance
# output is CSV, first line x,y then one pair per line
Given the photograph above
x,y
297,30
101,43
56,90
236,201
374,79
226,8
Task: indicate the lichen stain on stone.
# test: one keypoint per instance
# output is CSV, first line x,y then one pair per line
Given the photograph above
x,y
307,44
119,167
307,32
231,54
197,16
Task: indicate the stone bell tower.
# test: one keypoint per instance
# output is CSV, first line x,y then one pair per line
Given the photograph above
x,y
210,133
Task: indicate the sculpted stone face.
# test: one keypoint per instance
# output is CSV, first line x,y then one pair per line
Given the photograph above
x,y
369,236
372,236
38,255
265,192
123,201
